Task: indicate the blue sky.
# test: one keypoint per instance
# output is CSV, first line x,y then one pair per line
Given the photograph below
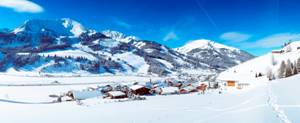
x,y
256,26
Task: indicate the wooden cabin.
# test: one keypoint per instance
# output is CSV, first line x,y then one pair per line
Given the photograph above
x,y
231,83
116,95
140,90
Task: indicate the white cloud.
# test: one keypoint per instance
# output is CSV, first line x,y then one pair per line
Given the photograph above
x,y
235,36
275,40
21,6
170,36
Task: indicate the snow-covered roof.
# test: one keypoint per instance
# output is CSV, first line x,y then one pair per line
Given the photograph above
x,y
81,95
135,87
116,93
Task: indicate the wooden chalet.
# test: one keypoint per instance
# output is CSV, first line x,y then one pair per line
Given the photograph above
x,y
116,95
140,90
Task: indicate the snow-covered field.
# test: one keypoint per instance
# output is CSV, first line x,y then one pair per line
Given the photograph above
x,y
267,102
65,80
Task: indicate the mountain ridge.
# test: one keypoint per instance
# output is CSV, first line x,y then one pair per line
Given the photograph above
x,y
214,54
65,46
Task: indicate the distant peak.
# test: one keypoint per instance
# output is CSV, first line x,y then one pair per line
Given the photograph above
x,y
113,34
203,44
118,36
69,22
75,27
64,26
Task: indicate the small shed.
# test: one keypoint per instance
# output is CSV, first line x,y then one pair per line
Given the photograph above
x,y
140,90
116,95
168,90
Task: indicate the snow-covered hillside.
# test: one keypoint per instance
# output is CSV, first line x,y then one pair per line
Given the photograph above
x,y
269,63
64,46
214,54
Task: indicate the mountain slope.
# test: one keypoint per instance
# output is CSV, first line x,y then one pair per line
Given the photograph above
x,y
65,46
214,54
269,63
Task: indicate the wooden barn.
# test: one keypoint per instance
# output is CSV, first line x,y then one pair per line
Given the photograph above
x,y
140,90
116,95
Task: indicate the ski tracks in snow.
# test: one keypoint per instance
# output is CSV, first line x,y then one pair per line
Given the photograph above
x,y
272,101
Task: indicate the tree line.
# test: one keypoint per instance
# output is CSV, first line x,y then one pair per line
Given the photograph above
x,y
289,68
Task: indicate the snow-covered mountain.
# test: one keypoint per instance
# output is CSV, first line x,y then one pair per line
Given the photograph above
x,y
214,54
65,46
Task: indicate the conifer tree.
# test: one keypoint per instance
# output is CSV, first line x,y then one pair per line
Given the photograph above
x,y
298,65
281,72
288,69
